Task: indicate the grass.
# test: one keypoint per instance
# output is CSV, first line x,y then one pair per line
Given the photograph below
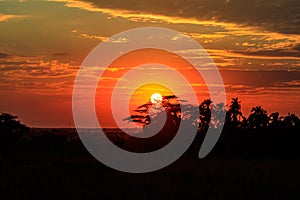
x,y
46,170
38,177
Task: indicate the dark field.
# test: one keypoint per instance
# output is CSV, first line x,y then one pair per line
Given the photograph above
x,y
61,168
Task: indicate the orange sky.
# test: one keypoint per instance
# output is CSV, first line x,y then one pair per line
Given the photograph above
x,y
255,45
142,95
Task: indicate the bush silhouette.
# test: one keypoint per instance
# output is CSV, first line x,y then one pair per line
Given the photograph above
x,y
11,130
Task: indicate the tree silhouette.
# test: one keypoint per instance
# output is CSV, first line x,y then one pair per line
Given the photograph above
x,y
274,120
172,107
142,117
234,116
10,125
258,118
291,120
163,118
205,114
169,104
11,131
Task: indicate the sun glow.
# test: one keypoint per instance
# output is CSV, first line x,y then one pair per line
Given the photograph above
x,y
156,98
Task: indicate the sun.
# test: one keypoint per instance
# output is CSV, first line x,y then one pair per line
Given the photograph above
x,y
156,98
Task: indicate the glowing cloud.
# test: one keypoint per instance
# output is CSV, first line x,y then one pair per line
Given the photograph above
x,y
6,17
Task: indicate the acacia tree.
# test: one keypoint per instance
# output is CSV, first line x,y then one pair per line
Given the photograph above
x,y
141,117
169,103
10,125
163,118
201,117
10,131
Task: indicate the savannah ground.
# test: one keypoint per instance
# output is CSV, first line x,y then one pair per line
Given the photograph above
x,y
68,171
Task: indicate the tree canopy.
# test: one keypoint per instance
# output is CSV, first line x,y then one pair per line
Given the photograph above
x,y
9,124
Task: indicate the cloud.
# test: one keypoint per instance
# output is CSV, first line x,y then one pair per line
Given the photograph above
x,y
39,76
135,15
21,73
289,84
97,37
216,35
60,54
109,78
267,27
6,17
297,47
103,38
3,55
277,54
259,78
78,4
278,15
273,54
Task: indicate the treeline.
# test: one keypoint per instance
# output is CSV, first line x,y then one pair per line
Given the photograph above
x,y
258,118
234,120
255,134
258,134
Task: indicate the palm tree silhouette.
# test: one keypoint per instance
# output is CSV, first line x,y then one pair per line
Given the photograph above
x,y
234,114
205,114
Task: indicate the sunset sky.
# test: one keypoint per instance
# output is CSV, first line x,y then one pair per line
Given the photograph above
x,y
255,44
